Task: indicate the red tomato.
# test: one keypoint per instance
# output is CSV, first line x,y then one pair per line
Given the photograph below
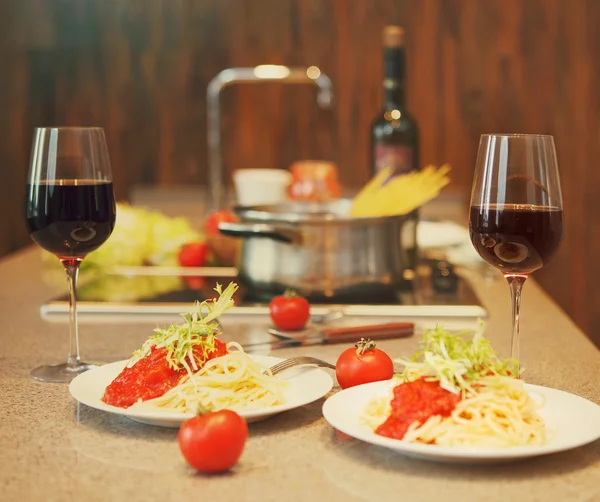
x,y
213,442
194,282
289,311
363,363
193,254
212,223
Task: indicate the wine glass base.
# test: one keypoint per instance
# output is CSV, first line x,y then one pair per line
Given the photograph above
x,y
60,373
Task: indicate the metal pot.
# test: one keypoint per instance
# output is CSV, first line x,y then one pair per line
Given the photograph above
x,y
315,249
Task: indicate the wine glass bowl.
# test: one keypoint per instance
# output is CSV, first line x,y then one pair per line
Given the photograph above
x,y
70,211
517,239
76,217
516,214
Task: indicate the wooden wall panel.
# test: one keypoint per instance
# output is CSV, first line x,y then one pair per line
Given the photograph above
x,y
140,69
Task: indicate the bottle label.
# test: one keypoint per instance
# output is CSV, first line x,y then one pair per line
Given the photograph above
x,y
399,158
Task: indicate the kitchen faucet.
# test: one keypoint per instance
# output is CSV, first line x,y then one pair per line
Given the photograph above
x,y
262,73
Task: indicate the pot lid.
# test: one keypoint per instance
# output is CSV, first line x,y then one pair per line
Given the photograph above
x,y
307,212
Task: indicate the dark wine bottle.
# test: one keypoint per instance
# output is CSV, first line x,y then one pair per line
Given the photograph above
x,y
394,131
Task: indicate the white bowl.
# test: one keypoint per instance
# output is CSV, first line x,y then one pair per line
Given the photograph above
x,y
261,186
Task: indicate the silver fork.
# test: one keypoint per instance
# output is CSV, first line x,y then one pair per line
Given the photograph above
x,y
296,361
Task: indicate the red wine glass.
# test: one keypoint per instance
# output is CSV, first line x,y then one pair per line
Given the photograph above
x,y
516,215
70,212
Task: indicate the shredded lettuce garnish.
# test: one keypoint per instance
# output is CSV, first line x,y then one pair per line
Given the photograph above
x,y
199,330
455,360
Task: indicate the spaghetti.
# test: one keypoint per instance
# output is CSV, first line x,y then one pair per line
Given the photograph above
x,y
183,367
498,414
234,381
458,393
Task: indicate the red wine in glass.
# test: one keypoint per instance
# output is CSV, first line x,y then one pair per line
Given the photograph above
x,y
516,215
70,218
70,212
516,238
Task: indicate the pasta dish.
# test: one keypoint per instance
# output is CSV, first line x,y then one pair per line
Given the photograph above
x,y
184,367
457,392
233,381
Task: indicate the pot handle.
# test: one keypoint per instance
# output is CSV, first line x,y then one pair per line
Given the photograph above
x,y
287,235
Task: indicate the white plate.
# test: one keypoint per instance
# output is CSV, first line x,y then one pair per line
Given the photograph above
x,y
441,234
306,384
572,421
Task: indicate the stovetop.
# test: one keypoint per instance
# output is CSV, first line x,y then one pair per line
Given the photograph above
x,y
436,289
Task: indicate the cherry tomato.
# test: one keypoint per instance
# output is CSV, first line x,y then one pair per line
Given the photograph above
x,y
212,223
193,254
363,363
194,282
289,311
214,441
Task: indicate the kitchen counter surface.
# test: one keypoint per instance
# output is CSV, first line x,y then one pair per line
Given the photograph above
x,y
53,449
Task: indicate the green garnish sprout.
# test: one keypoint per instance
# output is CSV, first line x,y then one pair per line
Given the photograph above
x,y
199,330
456,361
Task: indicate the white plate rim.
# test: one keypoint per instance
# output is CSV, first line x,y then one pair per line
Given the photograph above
x,y
448,452
106,373
441,234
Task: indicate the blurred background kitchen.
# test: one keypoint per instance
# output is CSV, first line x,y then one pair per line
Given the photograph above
x,y
140,69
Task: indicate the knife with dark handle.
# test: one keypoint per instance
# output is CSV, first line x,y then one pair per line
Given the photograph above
x,y
337,335
374,332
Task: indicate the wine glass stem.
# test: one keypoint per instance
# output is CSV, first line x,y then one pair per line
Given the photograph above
x,y
516,285
72,269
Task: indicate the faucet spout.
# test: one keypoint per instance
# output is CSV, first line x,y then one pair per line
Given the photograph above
x,y
261,73
325,90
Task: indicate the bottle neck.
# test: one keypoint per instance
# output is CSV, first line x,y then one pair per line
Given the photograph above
x,y
394,78
394,96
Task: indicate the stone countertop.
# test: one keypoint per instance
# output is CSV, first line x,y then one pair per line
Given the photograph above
x,y
53,449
